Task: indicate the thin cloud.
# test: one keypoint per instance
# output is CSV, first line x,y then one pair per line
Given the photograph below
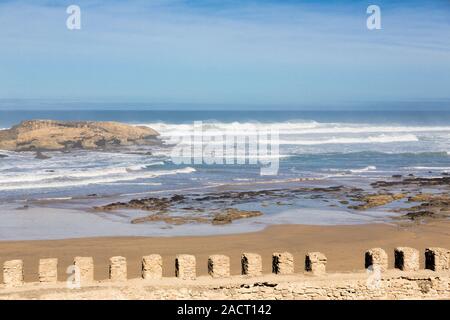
x,y
237,45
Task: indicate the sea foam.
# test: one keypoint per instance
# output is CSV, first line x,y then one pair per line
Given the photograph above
x,y
26,183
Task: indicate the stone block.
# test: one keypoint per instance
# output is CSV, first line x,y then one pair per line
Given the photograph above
x,y
118,269
48,270
152,267
219,266
185,267
85,267
376,258
406,259
316,263
251,264
437,259
13,273
282,263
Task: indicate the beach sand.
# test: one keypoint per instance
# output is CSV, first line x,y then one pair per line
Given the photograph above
x,y
343,245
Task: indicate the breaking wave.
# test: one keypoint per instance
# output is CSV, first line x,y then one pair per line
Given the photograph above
x,y
350,140
290,128
66,181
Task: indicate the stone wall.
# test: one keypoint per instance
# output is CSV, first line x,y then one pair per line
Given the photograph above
x,y
313,282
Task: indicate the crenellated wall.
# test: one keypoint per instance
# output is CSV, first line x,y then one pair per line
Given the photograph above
x,y
405,281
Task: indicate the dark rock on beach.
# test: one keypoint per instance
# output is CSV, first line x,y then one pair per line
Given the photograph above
x,y
376,200
392,195
163,207
431,206
419,215
208,208
41,156
146,204
229,215
420,182
175,220
225,217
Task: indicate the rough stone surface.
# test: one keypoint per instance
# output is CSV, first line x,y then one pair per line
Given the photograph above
x,y
152,267
282,263
48,270
231,214
393,284
251,264
35,135
316,263
118,269
437,259
219,266
377,200
406,259
376,258
13,273
85,267
185,267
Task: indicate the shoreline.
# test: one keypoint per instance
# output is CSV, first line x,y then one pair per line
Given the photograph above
x,y
33,223
343,245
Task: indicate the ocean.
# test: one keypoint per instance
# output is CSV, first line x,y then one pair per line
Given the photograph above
x,y
335,147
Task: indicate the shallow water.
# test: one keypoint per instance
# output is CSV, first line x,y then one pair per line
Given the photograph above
x,y
51,223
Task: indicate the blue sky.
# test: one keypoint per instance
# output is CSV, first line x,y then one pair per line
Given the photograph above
x,y
296,53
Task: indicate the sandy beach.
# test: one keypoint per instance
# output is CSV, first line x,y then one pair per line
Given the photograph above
x,y
343,245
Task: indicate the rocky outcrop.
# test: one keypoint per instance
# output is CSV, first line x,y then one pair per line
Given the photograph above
x,y
160,205
417,182
168,210
431,206
51,135
231,214
223,217
376,200
223,207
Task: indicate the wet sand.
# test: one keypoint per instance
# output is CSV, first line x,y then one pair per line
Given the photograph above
x,y
343,245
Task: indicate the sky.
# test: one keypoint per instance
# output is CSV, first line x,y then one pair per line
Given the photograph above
x,y
219,53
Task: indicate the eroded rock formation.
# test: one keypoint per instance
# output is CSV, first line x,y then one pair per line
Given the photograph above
x,y
51,135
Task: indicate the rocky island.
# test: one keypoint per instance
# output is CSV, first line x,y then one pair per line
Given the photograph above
x,y
51,135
